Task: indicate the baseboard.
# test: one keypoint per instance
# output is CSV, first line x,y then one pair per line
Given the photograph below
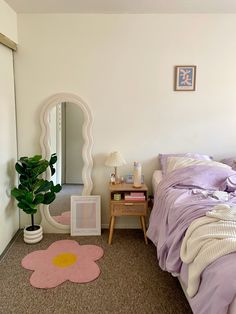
x,y
18,232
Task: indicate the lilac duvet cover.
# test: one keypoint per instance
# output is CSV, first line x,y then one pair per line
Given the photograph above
x,y
176,205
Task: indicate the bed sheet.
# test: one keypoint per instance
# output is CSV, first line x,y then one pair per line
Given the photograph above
x,y
156,179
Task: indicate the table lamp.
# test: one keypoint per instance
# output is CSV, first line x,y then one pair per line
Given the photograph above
x,y
115,160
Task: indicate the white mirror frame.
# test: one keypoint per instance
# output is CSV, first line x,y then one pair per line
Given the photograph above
x,y
48,223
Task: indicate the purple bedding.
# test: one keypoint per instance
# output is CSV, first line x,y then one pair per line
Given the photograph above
x,y
175,207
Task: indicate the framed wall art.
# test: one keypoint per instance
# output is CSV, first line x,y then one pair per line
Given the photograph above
x,y
129,178
85,215
185,78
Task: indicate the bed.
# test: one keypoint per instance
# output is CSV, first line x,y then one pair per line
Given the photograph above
x,y
182,196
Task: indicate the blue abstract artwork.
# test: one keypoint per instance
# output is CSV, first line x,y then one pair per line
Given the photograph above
x,y
185,77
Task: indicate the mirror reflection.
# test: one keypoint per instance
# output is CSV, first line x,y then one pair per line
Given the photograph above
x,y
66,140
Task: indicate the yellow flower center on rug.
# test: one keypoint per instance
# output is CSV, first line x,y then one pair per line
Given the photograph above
x,y
64,260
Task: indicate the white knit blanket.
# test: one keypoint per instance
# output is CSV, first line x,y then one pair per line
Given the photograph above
x,y
207,239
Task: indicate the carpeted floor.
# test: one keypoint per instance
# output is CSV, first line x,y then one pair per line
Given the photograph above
x,y
130,281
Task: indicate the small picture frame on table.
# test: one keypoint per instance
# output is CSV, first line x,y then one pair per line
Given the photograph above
x,y
85,215
185,78
130,179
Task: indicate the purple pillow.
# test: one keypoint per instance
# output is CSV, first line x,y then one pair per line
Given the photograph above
x,y
229,185
163,159
230,162
205,177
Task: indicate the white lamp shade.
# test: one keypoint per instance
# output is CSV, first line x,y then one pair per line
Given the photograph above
x,y
115,159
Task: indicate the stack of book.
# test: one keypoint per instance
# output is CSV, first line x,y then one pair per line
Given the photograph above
x,y
135,196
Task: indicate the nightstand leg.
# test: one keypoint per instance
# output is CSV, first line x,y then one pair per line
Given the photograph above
x,y
112,223
142,219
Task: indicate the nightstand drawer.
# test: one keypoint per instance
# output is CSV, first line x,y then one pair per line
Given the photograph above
x,y
129,208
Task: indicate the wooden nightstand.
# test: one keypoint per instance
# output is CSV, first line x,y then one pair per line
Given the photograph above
x,y
128,207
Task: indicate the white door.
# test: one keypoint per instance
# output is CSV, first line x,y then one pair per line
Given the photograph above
x,y
9,214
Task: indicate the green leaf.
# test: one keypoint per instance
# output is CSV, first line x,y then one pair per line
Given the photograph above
x,y
44,186
27,202
52,170
56,188
25,182
27,209
17,192
30,160
24,159
39,169
35,159
53,159
19,168
38,199
29,196
49,198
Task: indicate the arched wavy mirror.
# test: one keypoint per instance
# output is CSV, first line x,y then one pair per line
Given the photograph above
x,y
66,123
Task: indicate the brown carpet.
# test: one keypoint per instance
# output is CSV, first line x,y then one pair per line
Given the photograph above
x,y
130,281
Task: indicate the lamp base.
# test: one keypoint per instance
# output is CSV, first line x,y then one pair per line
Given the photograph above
x,y
137,186
117,181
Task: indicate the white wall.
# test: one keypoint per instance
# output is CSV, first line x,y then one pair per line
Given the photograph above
x,y
74,144
122,66
8,21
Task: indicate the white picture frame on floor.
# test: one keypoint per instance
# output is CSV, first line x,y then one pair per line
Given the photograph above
x,y
85,215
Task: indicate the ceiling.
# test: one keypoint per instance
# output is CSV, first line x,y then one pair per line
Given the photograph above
x,y
123,6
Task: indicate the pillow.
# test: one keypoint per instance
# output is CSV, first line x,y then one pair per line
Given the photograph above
x,y
230,162
163,158
229,185
182,162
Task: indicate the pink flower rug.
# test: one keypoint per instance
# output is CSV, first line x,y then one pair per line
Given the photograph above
x,y
63,260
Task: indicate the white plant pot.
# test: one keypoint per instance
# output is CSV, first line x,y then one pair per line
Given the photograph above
x,y
34,236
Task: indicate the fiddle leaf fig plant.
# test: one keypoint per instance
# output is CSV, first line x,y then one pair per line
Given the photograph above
x,y
33,190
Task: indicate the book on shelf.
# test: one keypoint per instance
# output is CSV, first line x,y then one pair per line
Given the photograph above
x,y
136,194
134,198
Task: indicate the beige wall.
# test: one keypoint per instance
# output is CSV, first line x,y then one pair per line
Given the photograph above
x,y
74,144
71,153
122,66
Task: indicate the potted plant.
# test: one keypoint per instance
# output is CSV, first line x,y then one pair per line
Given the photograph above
x,y
34,190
